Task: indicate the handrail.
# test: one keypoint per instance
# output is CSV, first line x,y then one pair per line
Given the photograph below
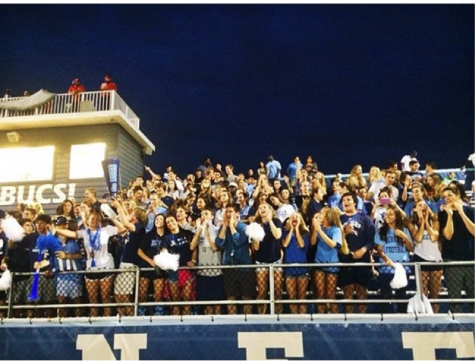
x,y
271,301
96,101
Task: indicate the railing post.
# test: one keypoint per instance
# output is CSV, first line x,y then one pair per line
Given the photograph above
x,y
417,271
137,288
10,298
112,105
271,289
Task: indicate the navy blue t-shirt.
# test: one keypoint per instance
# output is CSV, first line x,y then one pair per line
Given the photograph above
x,y
269,248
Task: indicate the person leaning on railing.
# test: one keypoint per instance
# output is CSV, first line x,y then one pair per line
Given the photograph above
x,y
68,260
424,228
99,286
295,242
359,232
132,229
268,251
457,230
150,247
327,234
393,243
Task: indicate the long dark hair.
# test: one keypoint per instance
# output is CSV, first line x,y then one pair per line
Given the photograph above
x,y
383,231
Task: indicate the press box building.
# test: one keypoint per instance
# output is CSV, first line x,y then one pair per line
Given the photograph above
x,y
52,146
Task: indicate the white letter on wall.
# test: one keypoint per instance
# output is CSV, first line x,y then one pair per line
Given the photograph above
x,y
256,343
94,347
424,344
130,344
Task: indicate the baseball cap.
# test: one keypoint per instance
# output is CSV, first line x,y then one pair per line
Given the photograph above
x,y
61,220
233,184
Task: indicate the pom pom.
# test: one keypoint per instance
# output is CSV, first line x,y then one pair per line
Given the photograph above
x,y
48,242
12,229
108,211
255,232
5,281
167,261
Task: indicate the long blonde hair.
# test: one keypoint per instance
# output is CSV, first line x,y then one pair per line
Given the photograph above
x,y
333,217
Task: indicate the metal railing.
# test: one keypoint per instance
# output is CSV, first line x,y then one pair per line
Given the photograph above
x,y
462,302
97,101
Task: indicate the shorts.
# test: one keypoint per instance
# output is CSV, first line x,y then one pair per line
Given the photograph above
x,y
355,275
69,285
239,282
296,271
303,275
124,283
98,276
261,269
157,274
182,276
430,268
209,288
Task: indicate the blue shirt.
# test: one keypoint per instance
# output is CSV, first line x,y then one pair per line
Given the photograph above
x,y
325,253
395,250
292,170
294,254
236,245
273,169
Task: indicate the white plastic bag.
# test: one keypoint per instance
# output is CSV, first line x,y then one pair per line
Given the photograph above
x,y
400,277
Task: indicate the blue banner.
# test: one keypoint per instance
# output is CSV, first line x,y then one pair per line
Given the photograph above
x,y
111,168
174,339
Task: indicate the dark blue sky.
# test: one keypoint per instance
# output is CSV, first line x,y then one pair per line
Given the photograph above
x,y
347,84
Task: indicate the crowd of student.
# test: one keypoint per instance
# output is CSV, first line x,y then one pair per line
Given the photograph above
x,y
265,217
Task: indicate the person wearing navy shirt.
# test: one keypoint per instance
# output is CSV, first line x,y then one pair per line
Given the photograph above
x,y
181,282
457,229
359,232
268,251
151,246
132,228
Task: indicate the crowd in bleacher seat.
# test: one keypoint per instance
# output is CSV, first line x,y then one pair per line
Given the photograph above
x,y
211,218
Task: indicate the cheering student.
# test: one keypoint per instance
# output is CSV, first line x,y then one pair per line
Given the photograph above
x,y
424,228
182,281
209,284
132,227
151,246
99,285
295,241
268,251
393,244
327,234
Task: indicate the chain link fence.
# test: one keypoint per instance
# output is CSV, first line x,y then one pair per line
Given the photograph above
x,y
250,289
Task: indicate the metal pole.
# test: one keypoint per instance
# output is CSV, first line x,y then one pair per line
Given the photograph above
x,y
271,289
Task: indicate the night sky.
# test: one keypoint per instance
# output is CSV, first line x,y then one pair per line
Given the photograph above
x,y
348,84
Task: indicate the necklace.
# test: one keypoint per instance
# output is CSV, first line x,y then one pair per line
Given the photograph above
x,y
95,239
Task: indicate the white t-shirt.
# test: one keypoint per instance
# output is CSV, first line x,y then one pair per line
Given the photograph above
x,y
96,242
284,211
377,186
471,157
405,161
